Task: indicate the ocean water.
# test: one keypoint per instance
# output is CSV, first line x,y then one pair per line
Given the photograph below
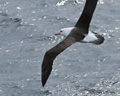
x,y
27,30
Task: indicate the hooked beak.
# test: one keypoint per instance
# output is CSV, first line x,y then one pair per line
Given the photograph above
x,y
57,34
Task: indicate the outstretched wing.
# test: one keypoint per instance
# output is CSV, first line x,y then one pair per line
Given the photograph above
x,y
86,16
51,54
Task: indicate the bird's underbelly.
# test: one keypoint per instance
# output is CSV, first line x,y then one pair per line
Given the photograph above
x,y
90,37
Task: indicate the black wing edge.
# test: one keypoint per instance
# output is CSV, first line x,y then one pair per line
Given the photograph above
x,y
46,68
51,54
86,16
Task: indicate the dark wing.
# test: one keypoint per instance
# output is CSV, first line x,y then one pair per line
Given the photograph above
x,y
86,16
51,54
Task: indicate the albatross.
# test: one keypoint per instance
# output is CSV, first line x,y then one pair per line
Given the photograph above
x,y
79,33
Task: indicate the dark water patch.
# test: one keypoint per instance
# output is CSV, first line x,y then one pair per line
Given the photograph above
x,y
6,21
3,17
46,92
3,14
10,22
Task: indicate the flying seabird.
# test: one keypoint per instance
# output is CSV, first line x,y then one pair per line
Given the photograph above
x,y
79,33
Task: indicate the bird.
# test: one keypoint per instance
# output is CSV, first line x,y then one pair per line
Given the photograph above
x,y
79,33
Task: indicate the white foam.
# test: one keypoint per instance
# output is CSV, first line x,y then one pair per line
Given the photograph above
x,y
61,3
101,2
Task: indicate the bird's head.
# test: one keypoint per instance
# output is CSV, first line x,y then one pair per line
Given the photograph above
x,y
64,31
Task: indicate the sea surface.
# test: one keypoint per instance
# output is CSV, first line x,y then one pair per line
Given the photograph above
x,y
27,30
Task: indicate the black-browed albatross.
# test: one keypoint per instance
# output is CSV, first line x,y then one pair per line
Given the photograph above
x,y
79,33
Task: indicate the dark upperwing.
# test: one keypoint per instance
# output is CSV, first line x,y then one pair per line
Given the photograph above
x,y
86,16
51,54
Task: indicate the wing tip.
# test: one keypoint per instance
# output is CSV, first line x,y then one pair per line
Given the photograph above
x,y
45,76
43,84
43,80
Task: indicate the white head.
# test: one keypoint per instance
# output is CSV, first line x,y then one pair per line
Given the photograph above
x,y
64,31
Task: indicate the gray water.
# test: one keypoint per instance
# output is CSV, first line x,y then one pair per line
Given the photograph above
x,y
27,30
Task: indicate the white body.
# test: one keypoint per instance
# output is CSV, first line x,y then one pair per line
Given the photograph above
x,y
88,37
